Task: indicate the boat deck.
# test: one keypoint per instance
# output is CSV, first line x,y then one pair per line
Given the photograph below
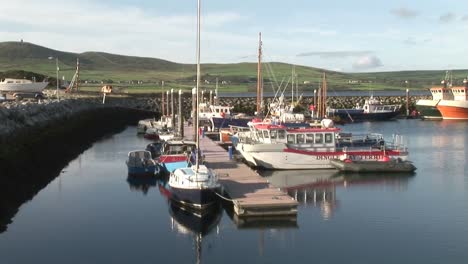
x,y
251,194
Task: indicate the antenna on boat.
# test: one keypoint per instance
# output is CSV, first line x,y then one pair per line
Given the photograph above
x,y
197,143
259,75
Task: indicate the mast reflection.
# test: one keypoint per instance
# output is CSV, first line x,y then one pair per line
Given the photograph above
x,y
194,223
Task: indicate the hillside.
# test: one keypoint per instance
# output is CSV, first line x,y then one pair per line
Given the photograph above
x,y
99,66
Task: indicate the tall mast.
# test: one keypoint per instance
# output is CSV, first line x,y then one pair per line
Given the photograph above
x,y
197,143
292,86
77,81
259,74
322,100
162,100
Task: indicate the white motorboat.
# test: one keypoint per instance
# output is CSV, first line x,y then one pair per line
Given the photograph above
x,y
277,147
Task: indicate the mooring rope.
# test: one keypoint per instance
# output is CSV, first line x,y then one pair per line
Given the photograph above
x,y
225,198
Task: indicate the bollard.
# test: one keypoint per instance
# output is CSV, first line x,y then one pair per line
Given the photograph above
x,y
203,132
230,152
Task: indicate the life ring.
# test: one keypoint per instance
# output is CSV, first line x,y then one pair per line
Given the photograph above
x,y
267,120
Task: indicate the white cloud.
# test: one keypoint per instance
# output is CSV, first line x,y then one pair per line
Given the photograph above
x,y
367,62
80,26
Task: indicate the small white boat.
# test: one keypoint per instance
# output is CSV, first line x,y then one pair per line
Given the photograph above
x,y
140,163
194,187
21,85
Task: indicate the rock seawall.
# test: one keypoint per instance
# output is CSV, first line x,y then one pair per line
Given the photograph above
x,y
38,140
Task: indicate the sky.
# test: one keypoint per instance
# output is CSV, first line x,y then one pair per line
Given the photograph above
x,y
346,35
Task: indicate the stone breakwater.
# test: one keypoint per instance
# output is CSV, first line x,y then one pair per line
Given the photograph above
x,y
15,116
39,139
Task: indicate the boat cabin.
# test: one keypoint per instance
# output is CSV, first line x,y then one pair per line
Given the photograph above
x,y
207,111
177,147
19,81
442,93
460,93
312,139
306,138
373,105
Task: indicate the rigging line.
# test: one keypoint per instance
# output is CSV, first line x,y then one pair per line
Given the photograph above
x,y
344,107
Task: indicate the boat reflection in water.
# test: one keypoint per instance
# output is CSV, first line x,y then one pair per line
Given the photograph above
x,y
195,223
318,187
141,183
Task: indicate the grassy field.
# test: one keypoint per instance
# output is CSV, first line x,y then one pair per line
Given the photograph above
x,y
124,72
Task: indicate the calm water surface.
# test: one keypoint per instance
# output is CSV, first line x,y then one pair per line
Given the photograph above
x,y
93,214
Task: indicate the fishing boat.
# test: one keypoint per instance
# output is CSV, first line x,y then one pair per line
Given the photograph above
x,y
8,85
372,110
176,154
140,163
278,147
457,108
384,165
208,111
195,185
427,108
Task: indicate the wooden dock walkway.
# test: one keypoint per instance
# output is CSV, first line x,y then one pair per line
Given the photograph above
x,y
252,195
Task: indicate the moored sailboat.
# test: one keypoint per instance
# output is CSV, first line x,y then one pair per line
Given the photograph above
x,y
195,185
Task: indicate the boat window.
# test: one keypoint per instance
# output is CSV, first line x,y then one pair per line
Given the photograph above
x,y
281,134
309,138
300,138
265,134
259,134
273,134
291,138
319,138
328,137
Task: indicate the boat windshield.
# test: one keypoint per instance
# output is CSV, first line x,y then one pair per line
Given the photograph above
x,y
178,149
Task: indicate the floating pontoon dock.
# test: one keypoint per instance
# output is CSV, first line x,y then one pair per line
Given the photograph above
x,y
251,194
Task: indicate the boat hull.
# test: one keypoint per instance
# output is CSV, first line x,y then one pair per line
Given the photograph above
x,y
456,110
35,87
373,166
353,115
174,165
292,159
219,122
428,109
142,171
247,151
196,198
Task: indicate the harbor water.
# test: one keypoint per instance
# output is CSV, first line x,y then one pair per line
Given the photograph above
x,y
93,213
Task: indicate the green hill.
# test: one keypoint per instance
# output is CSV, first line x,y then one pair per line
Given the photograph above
x,y
145,74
